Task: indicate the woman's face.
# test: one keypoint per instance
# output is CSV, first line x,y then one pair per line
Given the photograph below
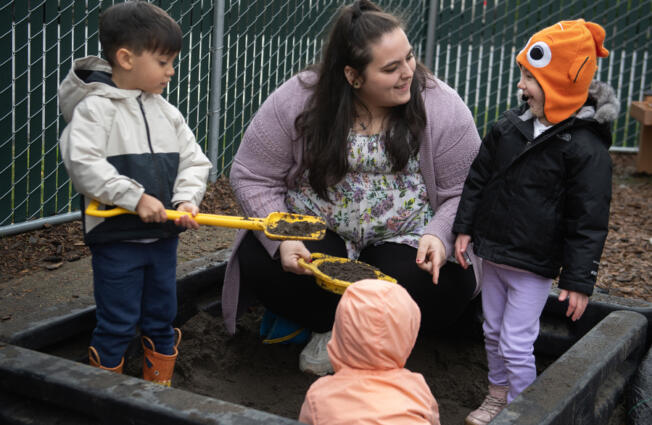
x,y
386,80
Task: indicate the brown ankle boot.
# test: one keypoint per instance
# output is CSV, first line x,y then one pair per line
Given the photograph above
x,y
94,360
159,367
493,403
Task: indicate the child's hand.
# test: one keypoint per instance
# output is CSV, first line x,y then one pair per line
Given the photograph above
x,y
151,210
187,221
577,303
290,252
461,243
431,255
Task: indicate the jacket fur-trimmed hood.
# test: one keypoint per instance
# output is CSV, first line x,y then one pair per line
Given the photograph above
x,y
607,103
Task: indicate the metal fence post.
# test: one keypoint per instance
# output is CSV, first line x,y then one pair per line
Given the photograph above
x,y
430,35
216,86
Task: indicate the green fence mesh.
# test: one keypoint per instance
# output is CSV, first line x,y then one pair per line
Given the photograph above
x,y
264,42
477,43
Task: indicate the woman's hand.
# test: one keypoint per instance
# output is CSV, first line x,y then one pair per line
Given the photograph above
x,y
187,221
461,243
290,252
431,255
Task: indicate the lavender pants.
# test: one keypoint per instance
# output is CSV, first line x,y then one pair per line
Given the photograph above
x,y
512,302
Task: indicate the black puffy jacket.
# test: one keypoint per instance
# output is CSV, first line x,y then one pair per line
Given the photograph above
x,y
541,204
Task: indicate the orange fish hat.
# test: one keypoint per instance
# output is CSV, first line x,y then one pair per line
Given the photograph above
x,y
563,59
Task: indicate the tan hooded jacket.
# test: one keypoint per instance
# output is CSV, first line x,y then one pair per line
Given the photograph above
x,y
119,144
376,326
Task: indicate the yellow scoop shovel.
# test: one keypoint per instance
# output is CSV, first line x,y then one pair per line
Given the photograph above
x,y
277,225
321,267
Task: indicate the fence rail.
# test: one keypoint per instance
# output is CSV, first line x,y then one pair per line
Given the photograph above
x,y
263,42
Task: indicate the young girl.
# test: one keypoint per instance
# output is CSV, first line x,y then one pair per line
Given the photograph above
x,y
376,326
537,200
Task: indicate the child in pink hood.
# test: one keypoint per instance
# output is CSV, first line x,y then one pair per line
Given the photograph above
x,y
376,326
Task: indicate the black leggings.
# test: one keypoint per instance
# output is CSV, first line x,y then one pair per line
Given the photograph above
x,y
298,298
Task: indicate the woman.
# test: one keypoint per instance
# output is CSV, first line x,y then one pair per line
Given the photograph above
x,y
369,140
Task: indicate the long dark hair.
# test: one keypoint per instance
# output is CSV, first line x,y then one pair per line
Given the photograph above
x,y
325,124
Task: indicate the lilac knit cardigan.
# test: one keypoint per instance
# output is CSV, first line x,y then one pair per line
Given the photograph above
x,y
268,160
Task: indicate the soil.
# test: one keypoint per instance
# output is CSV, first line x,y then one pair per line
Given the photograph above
x,y
286,226
348,271
243,370
49,269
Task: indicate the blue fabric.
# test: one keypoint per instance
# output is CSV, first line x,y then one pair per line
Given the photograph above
x,y
274,327
134,287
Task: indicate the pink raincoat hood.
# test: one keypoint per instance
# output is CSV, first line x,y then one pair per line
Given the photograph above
x,y
376,326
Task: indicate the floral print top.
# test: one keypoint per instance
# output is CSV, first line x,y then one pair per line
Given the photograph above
x,y
371,204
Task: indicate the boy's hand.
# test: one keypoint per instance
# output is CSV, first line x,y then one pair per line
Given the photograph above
x,y
290,252
151,210
431,255
577,303
187,221
461,243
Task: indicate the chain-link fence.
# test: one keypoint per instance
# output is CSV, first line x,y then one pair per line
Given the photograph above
x,y
262,43
258,44
40,39
267,41
477,44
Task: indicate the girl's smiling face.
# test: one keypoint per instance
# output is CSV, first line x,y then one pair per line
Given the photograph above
x,y
535,96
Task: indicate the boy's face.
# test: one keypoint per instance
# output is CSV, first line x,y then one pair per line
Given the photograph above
x,y
151,71
534,93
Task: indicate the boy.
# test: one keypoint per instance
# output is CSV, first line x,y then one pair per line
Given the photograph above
x,y
536,200
125,145
376,326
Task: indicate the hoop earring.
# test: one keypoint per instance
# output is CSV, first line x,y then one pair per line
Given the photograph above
x,y
356,84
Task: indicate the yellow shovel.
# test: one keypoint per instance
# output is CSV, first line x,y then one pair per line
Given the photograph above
x,y
331,283
277,225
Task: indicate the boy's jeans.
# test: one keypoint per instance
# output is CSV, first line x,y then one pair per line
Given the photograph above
x,y
134,286
512,302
